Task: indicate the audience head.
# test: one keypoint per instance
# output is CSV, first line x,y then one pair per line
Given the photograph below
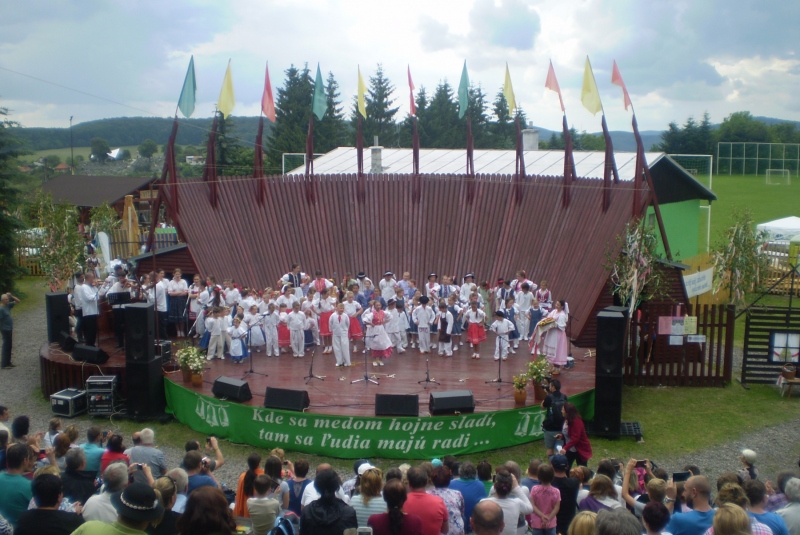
x,y
731,519
503,482
655,516
20,427
417,478
487,518
46,490
167,491
17,456
394,473
273,467
93,433
206,512
49,469
656,489
115,477
147,436
450,460
583,523
181,479
533,468
54,425
756,491
137,506
191,445
728,477
484,470
115,444
617,522
467,471
602,486
4,415
545,474
697,489
75,460
358,463
748,457
732,493
72,432
581,473
607,468
694,469
792,490
253,462
327,483
441,477
61,445
782,478
370,484
192,460
264,484
514,468
301,468
136,438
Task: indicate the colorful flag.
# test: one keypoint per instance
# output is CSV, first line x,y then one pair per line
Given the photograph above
x,y
551,83
463,92
226,100
412,105
267,101
616,79
508,93
590,96
186,101
362,89
320,103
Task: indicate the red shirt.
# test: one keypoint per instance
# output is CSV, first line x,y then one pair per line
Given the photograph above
x,y
111,457
430,509
412,525
579,439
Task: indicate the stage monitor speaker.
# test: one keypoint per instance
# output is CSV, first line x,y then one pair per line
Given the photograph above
x,y
145,388
396,404
57,310
89,354
452,402
607,406
140,340
65,341
610,343
232,389
286,399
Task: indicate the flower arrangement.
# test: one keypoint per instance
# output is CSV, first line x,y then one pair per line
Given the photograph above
x,y
537,369
191,357
520,381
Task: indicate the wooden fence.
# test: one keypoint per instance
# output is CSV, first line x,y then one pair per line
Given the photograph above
x,y
760,326
777,268
652,361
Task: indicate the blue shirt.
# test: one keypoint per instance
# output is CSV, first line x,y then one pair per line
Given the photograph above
x,y
473,491
773,520
15,495
200,480
93,453
690,523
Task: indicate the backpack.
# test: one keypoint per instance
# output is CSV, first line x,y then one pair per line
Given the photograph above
x,y
285,525
553,418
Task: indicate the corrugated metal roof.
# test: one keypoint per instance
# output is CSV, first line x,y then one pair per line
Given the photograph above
x,y
85,190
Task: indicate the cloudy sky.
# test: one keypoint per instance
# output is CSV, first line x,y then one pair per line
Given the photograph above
x,y
678,57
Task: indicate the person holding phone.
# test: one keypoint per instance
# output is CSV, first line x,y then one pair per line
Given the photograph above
x,y
697,494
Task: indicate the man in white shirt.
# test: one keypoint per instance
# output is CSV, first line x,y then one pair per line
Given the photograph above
x,y
77,306
387,286
311,494
158,294
88,296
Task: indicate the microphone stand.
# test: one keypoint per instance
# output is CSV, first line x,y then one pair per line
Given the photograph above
x,y
250,350
311,374
499,379
366,377
428,379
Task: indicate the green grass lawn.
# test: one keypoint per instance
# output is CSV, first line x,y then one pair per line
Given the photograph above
x,y
64,153
31,292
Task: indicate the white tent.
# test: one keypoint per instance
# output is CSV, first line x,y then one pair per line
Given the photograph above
x,y
781,229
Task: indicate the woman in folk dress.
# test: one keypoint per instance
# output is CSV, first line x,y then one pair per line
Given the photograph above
x,y
378,341
324,307
554,343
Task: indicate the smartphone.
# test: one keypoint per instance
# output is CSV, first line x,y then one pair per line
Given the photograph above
x,y
41,452
641,464
559,448
208,440
105,434
139,466
678,477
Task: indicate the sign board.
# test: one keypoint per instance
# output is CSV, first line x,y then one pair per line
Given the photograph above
x,y
690,325
696,338
698,283
675,340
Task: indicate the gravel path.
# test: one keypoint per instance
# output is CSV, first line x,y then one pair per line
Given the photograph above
x,y
778,447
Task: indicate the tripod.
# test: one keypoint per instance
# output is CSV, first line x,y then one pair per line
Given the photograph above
x,y
311,374
499,379
428,379
250,350
366,377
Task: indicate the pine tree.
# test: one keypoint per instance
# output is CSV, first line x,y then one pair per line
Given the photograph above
x,y
292,110
331,131
476,111
380,113
443,129
406,128
503,130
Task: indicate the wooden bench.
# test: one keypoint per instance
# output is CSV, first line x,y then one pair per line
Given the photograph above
x,y
790,383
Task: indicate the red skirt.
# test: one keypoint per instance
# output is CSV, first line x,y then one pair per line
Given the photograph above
x,y
325,323
355,332
382,353
476,333
284,337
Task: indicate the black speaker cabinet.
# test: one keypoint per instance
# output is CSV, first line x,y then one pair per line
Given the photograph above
x,y
396,404
610,343
65,341
140,340
607,406
230,388
145,382
57,310
90,354
286,399
454,401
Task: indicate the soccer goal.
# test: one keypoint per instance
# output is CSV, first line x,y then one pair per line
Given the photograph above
x,y
779,177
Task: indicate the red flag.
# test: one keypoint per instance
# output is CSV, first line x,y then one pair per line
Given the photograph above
x,y
267,102
551,83
412,104
616,79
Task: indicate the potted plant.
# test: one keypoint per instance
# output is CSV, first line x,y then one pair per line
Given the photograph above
x,y
537,371
191,361
520,383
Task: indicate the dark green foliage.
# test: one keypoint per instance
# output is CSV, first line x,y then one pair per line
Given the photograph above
x,y
692,138
292,110
380,113
100,149
148,148
10,149
741,126
233,157
331,131
504,134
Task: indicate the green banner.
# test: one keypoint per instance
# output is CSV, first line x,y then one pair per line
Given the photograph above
x,y
353,437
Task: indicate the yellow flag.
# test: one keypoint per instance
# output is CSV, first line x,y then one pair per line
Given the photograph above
x,y
362,89
590,96
226,100
508,93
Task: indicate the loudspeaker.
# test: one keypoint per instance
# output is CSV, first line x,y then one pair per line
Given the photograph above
x,y
607,406
455,401
57,309
145,387
140,340
66,342
233,389
610,343
286,399
396,404
90,354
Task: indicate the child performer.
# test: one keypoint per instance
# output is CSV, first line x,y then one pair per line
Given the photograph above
x,y
296,321
309,302
271,321
455,310
253,323
393,325
215,341
432,289
284,337
379,342
339,326
511,312
423,318
353,311
402,316
524,299
238,335
412,332
325,307
488,298
535,315
227,321
502,327
544,296
196,305
308,331
476,331
232,296
445,321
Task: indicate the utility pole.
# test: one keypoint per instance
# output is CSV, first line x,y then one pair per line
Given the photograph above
x,y
71,150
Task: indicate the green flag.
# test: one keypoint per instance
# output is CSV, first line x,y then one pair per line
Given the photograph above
x,y
320,103
186,102
463,92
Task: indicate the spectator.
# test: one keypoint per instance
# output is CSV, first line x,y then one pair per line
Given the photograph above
x,y
791,512
748,470
197,468
578,448
148,454
756,493
733,493
731,520
655,517
297,485
273,467
430,509
350,486
369,500
4,416
136,438
487,519
395,473
114,452
7,302
608,468
244,488
531,476
263,509
484,470
583,475
311,494
66,505
212,446
584,523
569,492
206,513
395,521
79,483
511,498
692,469
545,500
73,433
617,522
777,499
471,490
15,488
453,500
553,419
697,495
182,482
329,515
99,507
137,507
19,429
728,477
288,467
93,448
166,490
3,446
602,495
46,518
656,490
53,430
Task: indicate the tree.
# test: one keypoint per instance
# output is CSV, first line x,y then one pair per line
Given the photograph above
x,y
148,148
476,111
406,129
292,110
442,126
78,160
103,218
741,126
100,149
233,159
692,138
738,266
10,149
503,131
60,244
331,131
380,113
52,160
125,154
